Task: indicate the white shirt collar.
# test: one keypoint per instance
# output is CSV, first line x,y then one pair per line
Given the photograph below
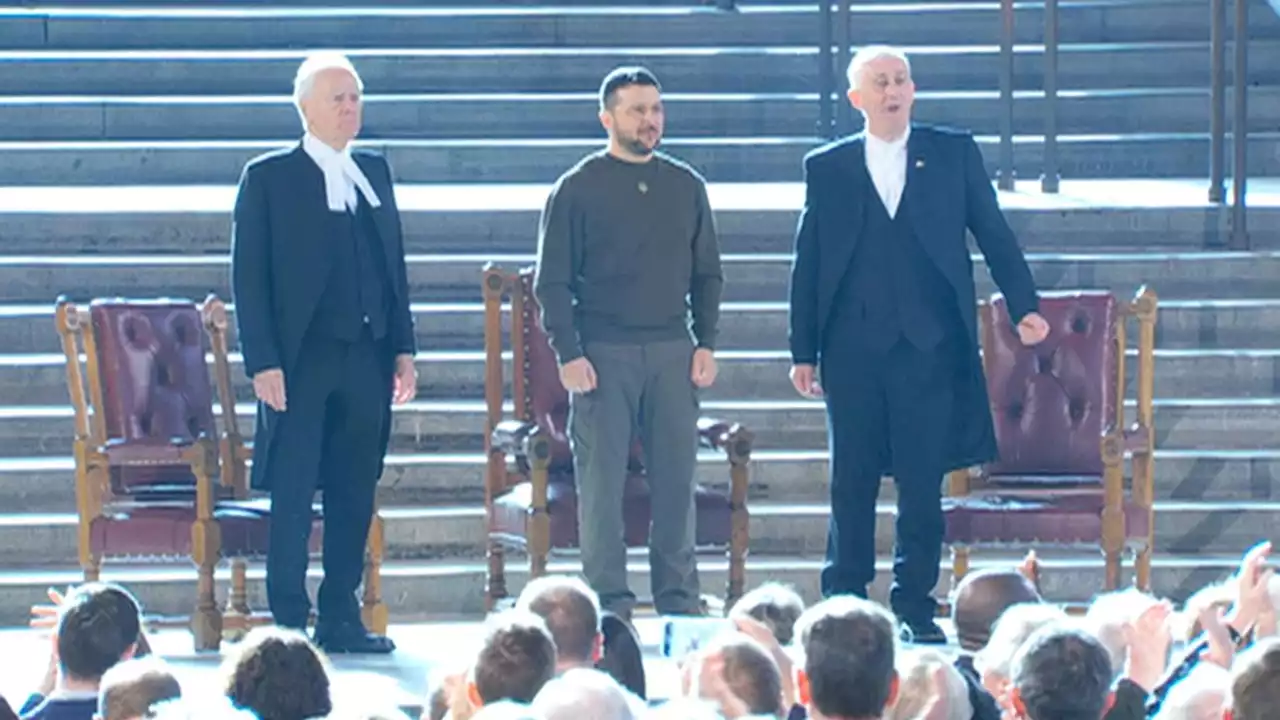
x,y
342,176
887,147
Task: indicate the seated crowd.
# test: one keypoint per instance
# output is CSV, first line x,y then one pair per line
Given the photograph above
x,y
556,656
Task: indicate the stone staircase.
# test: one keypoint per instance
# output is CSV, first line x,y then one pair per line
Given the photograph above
x,y
123,130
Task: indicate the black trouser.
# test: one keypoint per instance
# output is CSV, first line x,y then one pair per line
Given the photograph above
x,y
647,388
330,438
887,409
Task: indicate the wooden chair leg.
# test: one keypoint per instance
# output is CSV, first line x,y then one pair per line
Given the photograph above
x,y
206,622
1142,569
236,619
497,580
373,609
959,564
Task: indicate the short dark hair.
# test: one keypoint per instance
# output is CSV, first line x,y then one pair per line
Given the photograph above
x,y
775,605
518,657
97,624
279,675
1255,689
849,647
1062,673
571,611
622,77
752,674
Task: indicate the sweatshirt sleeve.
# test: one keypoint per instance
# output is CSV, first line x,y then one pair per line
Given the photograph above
x,y
557,267
708,277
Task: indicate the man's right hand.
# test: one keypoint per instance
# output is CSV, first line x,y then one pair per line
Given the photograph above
x,y
268,385
805,380
578,376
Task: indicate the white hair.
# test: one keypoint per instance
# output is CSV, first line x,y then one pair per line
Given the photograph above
x,y
314,65
584,693
1010,632
916,668
1201,695
1108,616
868,54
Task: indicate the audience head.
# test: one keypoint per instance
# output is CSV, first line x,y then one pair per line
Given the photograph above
x,y
582,693
132,688
98,626
622,656
1111,616
980,600
849,646
517,657
571,611
1201,695
994,662
279,675
1061,673
1255,685
750,673
925,674
775,605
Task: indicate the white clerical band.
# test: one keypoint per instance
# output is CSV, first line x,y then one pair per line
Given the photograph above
x,y
341,196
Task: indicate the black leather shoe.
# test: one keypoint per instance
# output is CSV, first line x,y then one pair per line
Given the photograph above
x,y
352,638
923,633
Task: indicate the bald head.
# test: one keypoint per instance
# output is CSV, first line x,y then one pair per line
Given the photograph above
x,y
982,598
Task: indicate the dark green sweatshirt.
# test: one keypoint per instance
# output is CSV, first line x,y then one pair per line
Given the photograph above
x,y
628,253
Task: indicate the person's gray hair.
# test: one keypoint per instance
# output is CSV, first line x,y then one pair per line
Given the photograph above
x,y
916,667
866,55
1010,632
1108,616
582,693
315,64
1201,695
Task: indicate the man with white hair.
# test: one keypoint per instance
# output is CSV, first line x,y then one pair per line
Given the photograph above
x,y
322,304
883,310
582,693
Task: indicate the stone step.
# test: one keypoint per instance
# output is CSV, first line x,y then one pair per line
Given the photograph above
x,y
378,27
735,68
418,590
181,162
574,115
33,540
495,219
1216,324
46,484
425,426
40,379
748,277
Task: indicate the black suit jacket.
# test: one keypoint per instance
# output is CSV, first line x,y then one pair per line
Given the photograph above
x,y
947,193
281,236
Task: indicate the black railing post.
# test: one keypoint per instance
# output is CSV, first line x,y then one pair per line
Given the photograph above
x,y
1050,178
1217,99
844,20
1005,176
1240,128
826,79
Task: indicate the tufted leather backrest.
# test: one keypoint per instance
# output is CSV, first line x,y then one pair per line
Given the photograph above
x,y
155,382
548,401
1052,403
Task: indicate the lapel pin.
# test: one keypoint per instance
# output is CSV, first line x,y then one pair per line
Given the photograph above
x,y
919,163
644,187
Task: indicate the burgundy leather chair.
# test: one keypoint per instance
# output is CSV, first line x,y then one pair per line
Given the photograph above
x,y
530,496
1062,435
155,480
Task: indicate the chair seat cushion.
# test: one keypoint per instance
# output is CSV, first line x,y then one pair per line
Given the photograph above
x,y
513,510
164,531
1061,519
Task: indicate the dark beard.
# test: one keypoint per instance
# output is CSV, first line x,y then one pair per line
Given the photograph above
x,y
636,146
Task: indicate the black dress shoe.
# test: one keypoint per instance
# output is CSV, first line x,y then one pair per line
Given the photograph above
x,y
352,638
923,633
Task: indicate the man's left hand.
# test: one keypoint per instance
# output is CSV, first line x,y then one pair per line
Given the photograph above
x,y
703,372
1033,329
406,380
